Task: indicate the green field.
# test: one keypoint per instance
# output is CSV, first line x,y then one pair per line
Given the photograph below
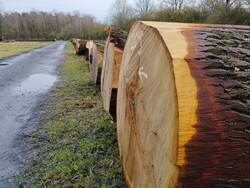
x,y
77,146
8,49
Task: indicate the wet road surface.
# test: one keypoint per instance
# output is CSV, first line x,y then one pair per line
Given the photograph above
x,y
25,80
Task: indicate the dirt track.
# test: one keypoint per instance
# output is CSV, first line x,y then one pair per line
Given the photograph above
x,y
25,81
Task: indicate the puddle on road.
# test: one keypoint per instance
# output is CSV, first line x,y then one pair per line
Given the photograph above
x,y
3,63
36,83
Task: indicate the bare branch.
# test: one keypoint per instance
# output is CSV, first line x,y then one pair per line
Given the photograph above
x,y
144,7
173,4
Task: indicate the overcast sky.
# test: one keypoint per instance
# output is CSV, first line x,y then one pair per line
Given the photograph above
x,y
97,8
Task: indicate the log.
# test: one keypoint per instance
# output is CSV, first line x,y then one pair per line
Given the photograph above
x,y
111,70
80,46
97,62
183,109
74,42
89,46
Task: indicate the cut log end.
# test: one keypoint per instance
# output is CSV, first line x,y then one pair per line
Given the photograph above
x,y
95,60
147,145
183,109
110,74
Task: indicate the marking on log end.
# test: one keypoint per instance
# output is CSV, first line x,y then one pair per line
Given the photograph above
x,y
142,74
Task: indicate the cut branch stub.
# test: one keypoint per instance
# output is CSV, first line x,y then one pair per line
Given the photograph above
x,y
183,109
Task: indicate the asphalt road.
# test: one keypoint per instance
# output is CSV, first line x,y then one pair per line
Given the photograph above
x,y
25,80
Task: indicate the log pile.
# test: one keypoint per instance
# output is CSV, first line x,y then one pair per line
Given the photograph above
x,y
80,46
183,109
111,68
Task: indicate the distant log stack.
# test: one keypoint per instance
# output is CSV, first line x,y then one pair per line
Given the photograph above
x,y
74,42
80,46
183,109
111,68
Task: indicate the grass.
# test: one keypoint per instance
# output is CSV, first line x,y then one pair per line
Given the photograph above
x,y
77,145
14,48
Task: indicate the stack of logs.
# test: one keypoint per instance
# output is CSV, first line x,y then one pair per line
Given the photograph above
x,y
183,103
80,46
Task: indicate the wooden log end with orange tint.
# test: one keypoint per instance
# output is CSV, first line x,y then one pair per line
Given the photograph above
x,y
183,109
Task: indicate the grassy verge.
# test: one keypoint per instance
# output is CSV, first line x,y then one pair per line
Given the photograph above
x,y
77,145
15,48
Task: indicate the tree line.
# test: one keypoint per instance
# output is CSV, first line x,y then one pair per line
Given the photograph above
x,y
39,25
189,11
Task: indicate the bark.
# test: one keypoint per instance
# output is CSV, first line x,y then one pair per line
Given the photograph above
x,y
118,37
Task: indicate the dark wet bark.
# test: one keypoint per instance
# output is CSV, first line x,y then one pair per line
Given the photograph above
x,y
218,155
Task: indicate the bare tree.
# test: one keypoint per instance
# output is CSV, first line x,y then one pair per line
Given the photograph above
x,y
225,3
144,8
233,3
122,14
37,25
173,4
121,8
236,3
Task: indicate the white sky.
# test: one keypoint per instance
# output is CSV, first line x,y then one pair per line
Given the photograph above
x,y
97,8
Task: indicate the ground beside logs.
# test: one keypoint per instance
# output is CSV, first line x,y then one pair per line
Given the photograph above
x,y
183,109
